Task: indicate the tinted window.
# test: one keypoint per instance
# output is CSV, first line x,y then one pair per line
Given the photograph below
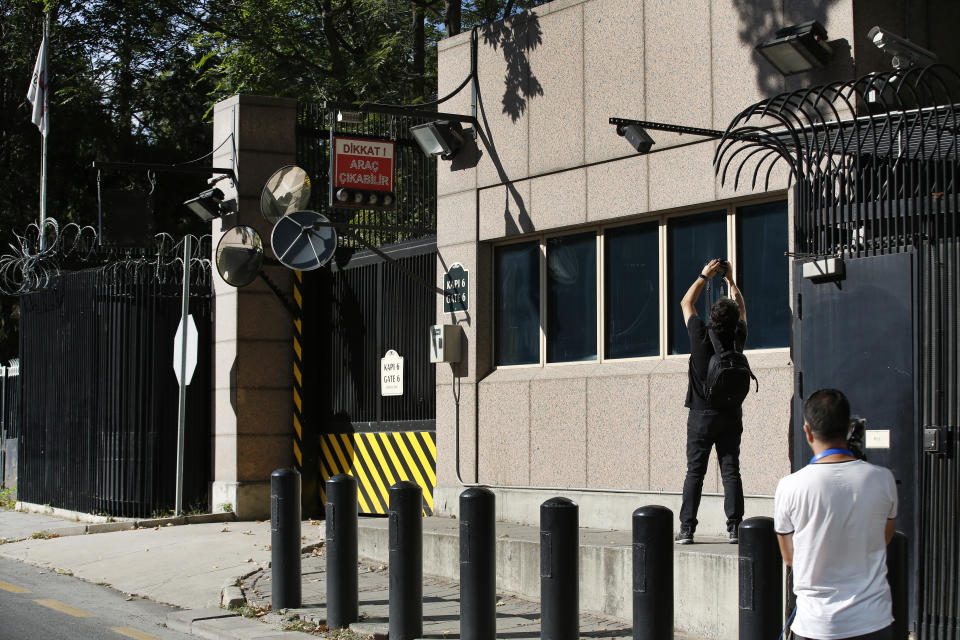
x,y
517,300
632,299
763,273
572,298
692,241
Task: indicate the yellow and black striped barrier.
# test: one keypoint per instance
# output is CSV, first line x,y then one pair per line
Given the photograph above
x,y
298,372
378,461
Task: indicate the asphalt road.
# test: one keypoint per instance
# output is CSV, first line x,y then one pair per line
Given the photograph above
x,y
39,604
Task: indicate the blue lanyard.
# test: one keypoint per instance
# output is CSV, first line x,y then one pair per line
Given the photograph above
x,y
830,452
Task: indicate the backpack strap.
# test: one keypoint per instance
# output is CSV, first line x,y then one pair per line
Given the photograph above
x,y
715,341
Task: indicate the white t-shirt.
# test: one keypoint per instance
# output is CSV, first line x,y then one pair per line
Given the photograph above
x,y
837,513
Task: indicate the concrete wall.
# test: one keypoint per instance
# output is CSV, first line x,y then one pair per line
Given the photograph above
x,y
253,395
548,82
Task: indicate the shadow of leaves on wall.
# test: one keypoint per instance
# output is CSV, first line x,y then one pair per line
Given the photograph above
x,y
515,37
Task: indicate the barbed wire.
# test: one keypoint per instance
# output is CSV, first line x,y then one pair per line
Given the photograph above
x,y
28,268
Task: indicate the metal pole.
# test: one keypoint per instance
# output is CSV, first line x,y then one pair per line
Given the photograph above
x,y
478,565
342,581
898,575
182,416
285,539
652,573
761,580
406,561
559,570
46,126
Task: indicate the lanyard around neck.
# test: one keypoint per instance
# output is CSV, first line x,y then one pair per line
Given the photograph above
x,y
830,452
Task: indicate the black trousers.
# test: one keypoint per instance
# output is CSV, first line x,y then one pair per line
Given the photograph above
x,y
705,430
883,634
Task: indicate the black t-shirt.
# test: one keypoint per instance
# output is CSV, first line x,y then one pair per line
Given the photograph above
x,y
700,351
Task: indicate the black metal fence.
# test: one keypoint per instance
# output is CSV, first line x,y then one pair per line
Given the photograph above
x,y
99,412
876,165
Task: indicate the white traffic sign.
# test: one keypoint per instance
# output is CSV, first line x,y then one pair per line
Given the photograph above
x,y
391,374
191,349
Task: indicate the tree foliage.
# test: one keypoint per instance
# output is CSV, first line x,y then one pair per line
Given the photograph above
x,y
136,80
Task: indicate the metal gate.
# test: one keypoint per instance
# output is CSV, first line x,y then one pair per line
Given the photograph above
x,y
356,309
873,363
877,186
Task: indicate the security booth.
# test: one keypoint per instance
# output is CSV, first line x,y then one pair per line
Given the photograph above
x,y
875,168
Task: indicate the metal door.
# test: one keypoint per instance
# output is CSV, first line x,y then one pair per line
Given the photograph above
x,y
857,335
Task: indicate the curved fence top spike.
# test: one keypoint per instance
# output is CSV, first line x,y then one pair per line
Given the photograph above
x,y
831,131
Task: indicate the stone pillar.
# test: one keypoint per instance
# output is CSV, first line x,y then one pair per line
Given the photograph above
x,y
252,389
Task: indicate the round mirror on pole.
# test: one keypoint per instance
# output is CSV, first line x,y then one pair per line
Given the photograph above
x,y
287,190
303,240
239,256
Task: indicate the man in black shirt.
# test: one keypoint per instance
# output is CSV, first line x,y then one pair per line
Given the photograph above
x,y
708,427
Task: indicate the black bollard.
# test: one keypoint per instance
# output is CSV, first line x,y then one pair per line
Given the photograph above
x,y
559,570
406,561
478,565
285,538
898,577
653,573
342,597
761,580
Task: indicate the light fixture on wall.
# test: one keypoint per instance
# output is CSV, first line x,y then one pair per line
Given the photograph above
x,y
442,138
798,48
210,204
637,136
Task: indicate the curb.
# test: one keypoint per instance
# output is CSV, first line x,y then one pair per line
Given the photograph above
x,y
74,521
217,624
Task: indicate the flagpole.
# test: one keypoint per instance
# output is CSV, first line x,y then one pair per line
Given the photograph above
x,y
43,153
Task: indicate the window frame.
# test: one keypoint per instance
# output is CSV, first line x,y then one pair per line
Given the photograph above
x,y
600,228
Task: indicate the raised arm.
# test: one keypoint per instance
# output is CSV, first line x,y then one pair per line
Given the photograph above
x,y
687,304
736,295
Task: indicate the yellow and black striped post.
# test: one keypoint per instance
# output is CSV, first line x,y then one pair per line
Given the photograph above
x,y
304,455
380,460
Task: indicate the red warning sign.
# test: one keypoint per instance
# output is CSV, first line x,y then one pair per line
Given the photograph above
x,y
361,164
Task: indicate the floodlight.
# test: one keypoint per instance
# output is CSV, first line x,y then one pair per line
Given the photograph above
x,y
439,138
208,205
352,117
799,48
637,136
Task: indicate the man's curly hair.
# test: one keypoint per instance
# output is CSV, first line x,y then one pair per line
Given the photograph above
x,y
724,315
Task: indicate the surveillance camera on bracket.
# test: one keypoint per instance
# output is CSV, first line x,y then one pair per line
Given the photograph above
x,y
905,53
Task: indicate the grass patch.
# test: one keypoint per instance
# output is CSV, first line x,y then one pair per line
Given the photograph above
x,y
8,498
44,535
64,572
248,611
295,623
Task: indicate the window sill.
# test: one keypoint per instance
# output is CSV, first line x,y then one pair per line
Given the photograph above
x,y
760,359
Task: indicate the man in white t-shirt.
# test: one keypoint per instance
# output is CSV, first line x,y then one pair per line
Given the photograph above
x,y
834,519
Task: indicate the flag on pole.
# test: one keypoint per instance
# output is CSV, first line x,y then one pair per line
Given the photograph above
x,y
37,94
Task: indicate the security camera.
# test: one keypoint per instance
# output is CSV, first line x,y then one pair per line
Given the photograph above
x,y
905,53
638,138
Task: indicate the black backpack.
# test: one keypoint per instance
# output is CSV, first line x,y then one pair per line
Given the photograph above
x,y
728,375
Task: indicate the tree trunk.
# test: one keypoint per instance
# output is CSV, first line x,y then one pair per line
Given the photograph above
x,y
419,52
452,16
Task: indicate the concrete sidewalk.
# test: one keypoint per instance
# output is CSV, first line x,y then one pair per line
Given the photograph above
x,y
185,565
516,617
192,565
